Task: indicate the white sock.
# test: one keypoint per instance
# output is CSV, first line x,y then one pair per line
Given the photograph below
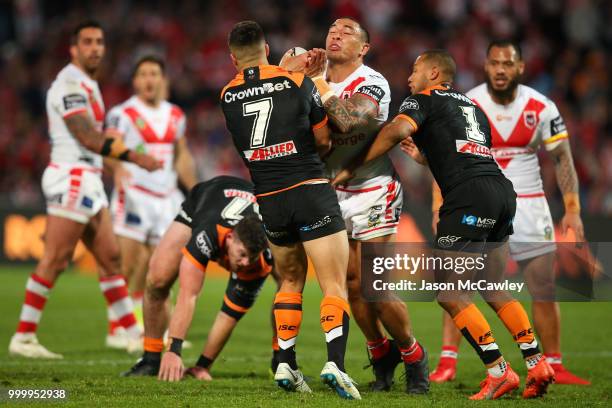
x,y
498,369
533,361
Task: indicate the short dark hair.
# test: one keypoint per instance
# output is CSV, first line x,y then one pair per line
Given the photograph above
x,y
444,60
245,34
83,25
251,233
364,31
154,59
505,42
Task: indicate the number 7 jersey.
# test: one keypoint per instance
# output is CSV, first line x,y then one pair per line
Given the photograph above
x,y
271,114
453,133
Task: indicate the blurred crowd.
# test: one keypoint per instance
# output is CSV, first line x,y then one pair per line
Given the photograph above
x,y
566,46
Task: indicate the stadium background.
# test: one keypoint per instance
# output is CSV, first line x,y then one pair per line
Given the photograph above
x,y
566,45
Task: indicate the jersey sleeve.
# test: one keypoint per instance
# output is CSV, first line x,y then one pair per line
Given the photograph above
x,y
375,88
115,121
71,98
414,109
202,247
181,127
552,126
318,117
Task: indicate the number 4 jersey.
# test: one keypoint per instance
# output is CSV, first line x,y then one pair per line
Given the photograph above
x,y
453,133
271,114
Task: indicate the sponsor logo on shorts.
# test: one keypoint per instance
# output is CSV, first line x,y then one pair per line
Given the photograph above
x,y
275,234
87,202
478,222
321,223
447,241
464,146
271,152
56,198
374,215
232,192
204,244
131,218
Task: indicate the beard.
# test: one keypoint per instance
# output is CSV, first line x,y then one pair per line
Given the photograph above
x,y
503,94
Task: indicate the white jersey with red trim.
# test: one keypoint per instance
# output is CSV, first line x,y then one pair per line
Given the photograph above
x,y
73,92
151,130
517,132
346,146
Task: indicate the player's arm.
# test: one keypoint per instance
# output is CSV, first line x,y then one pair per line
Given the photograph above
x,y
346,114
567,180
191,278
390,135
185,165
82,128
322,137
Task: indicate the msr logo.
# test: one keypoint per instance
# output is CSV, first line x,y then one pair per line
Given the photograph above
x,y
478,222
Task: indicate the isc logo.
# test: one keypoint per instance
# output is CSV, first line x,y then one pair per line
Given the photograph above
x,y
287,327
329,318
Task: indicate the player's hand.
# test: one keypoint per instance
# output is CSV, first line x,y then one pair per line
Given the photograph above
x,y
199,373
342,177
171,368
572,221
435,218
295,63
145,161
410,148
317,59
121,176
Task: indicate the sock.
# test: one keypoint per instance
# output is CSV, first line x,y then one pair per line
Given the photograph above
x,y
335,324
288,317
554,358
275,346
113,323
517,322
533,361
476,330
36,294
498,369
153,348
412,354
448,356
115,291
379,348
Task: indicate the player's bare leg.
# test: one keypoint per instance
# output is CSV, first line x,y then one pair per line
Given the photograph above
x,y
291,264
162,272
220,332
539,275
329,256
61,237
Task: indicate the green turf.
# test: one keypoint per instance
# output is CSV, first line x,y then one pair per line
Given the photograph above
x,y
74,325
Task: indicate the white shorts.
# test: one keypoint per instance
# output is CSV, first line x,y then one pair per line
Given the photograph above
x,y
371,212
534,231
143,215
73,192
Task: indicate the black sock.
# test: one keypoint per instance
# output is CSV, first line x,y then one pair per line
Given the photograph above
x,y
154,357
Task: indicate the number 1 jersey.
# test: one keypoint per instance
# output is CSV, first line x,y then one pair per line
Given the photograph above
x,y
271,114
453,133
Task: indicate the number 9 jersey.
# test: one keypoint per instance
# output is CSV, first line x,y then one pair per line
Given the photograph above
x,y
271,114
453,133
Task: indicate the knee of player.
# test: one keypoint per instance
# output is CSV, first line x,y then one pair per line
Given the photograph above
x,y
157,286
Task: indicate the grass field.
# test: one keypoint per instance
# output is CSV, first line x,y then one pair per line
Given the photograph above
x,y
74,324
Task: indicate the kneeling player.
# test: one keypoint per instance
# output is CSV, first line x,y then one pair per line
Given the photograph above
x,y
454,136
218,221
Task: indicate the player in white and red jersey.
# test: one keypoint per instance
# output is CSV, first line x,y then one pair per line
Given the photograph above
x,y
523,120
356,99
72,184
144,203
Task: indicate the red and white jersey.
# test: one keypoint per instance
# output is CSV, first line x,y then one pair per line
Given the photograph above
x,y
73,92
151,130
346,146
517,132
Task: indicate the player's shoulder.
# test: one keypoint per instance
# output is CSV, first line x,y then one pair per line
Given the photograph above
x,y
372,76
478,92
173,108
530,93
272,71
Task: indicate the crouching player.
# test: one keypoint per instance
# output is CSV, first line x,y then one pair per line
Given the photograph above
x,y
217,222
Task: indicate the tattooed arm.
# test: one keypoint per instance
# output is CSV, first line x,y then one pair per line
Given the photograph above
x,y
567,180
83,129
350,114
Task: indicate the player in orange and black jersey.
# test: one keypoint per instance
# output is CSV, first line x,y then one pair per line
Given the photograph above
x,y
217,222
279,126
444,129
